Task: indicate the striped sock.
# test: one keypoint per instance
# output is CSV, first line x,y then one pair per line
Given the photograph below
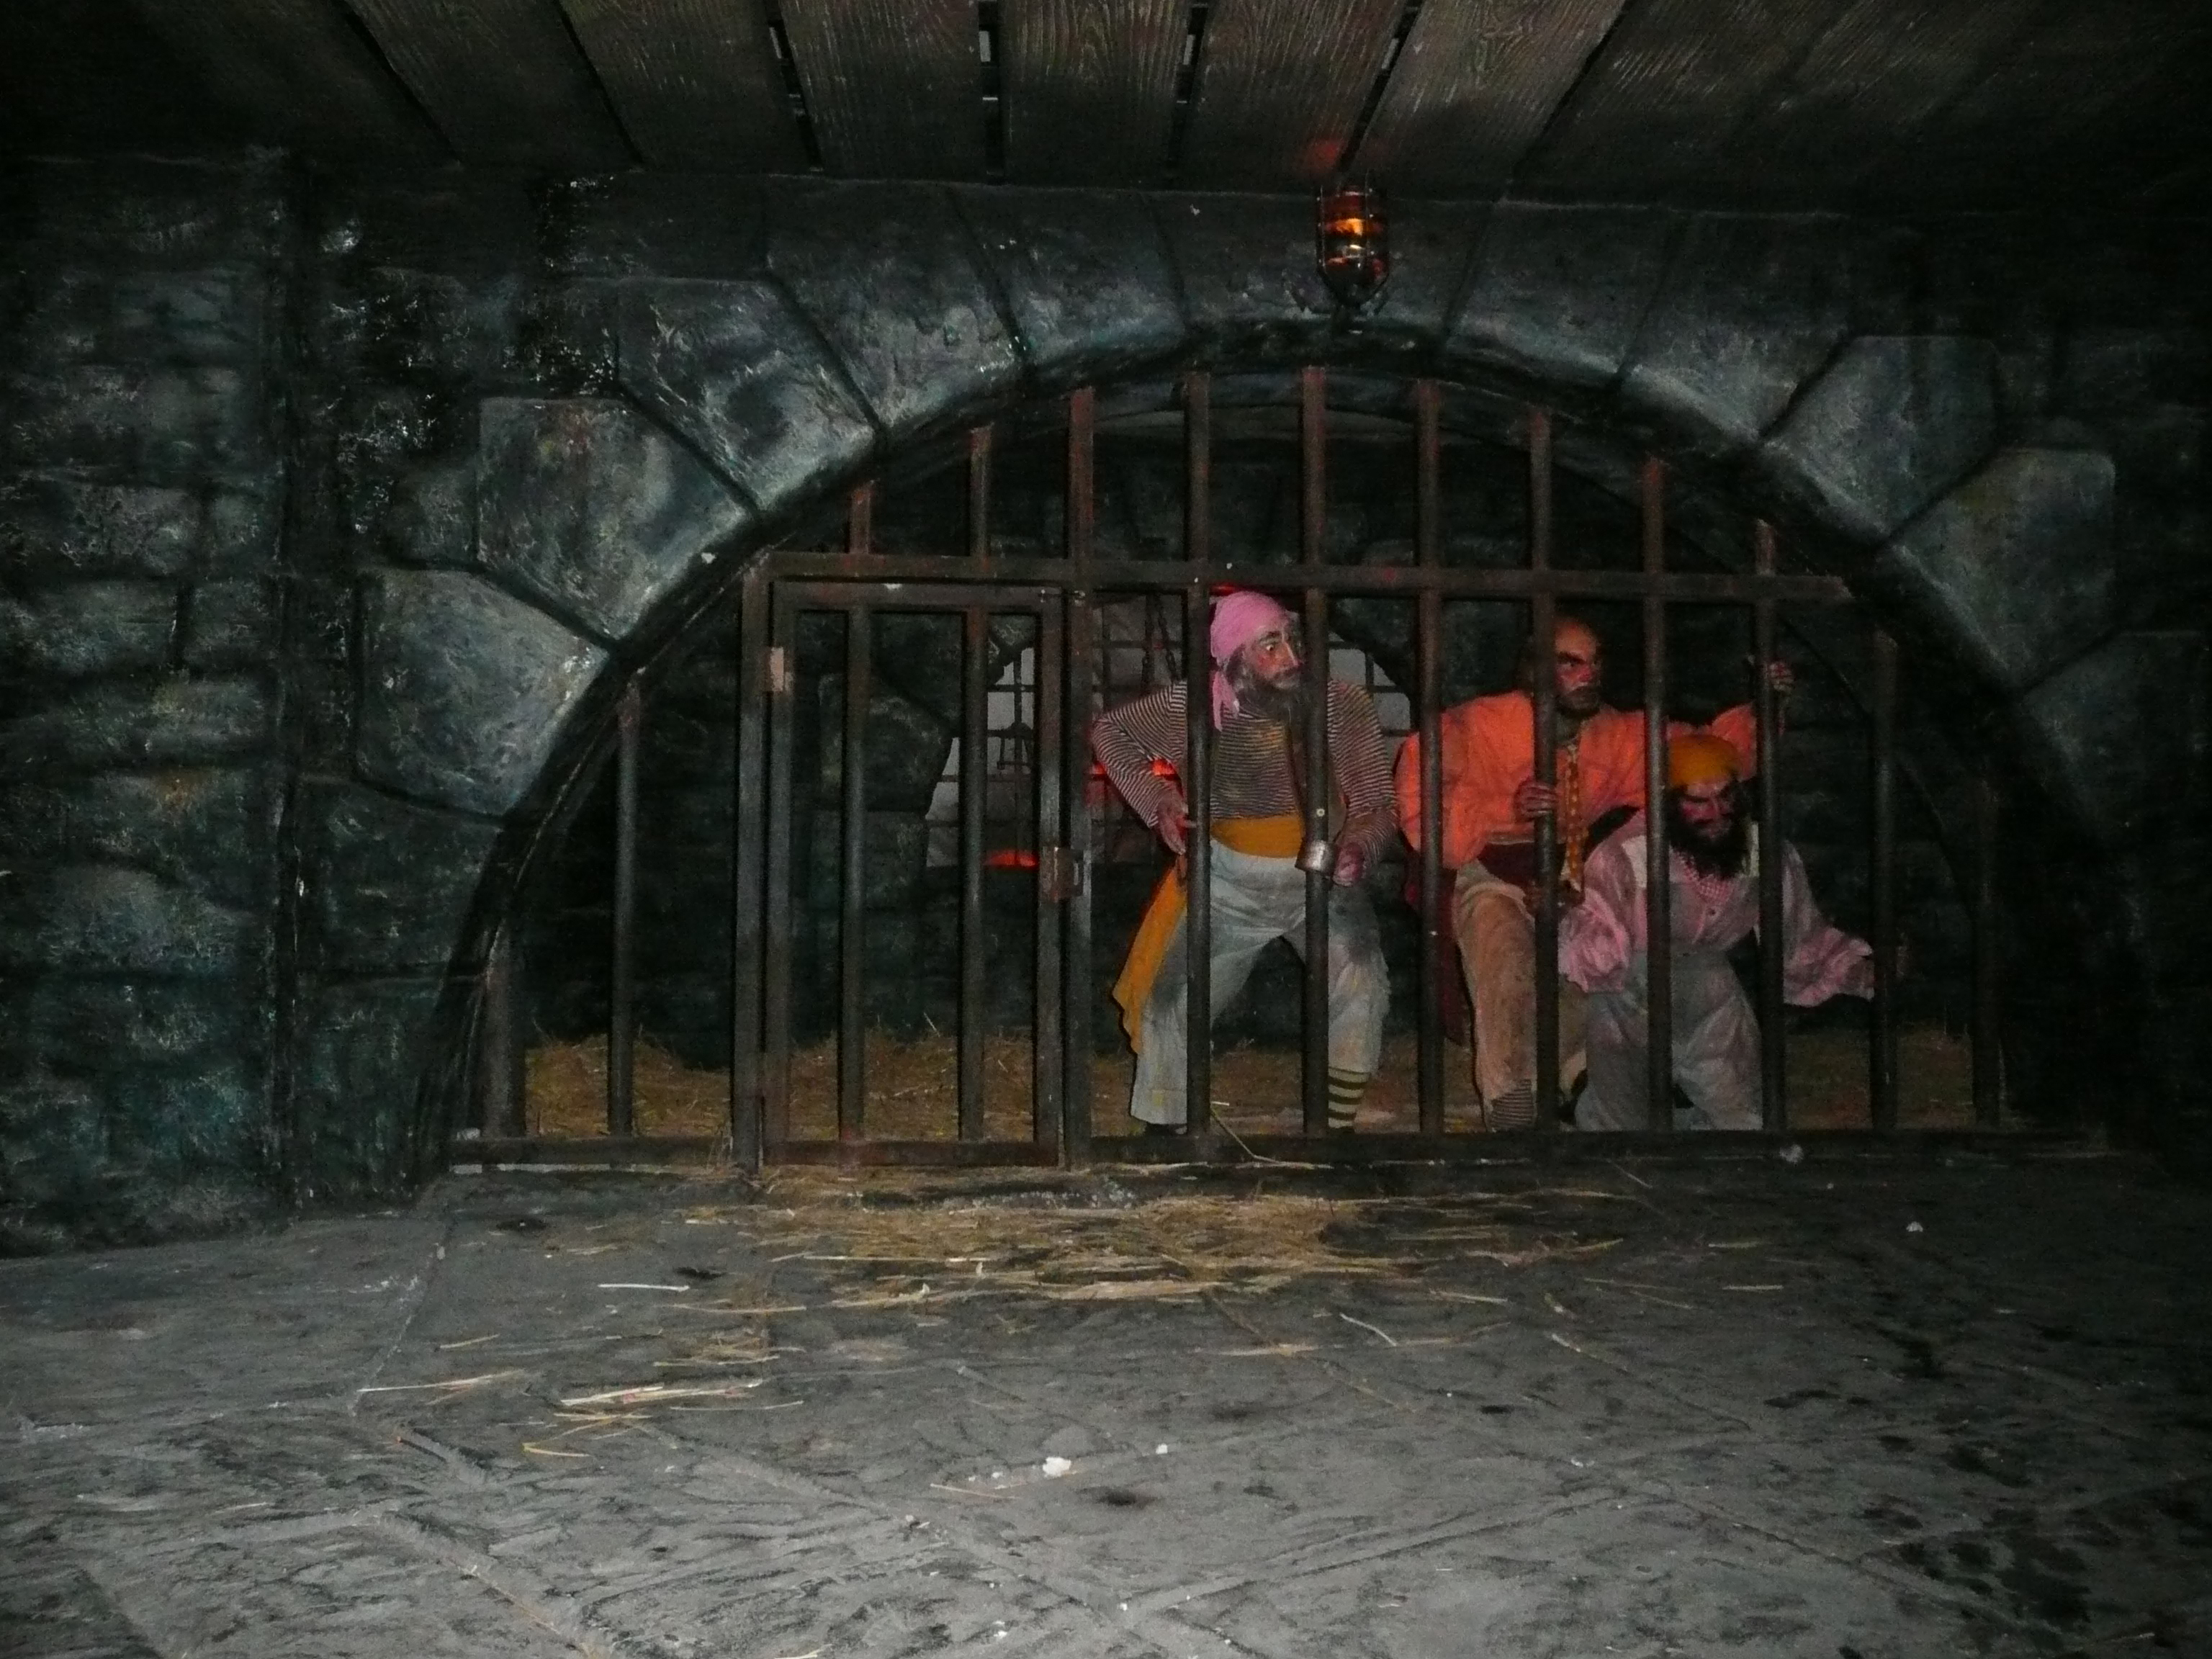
x,y
1514,1110
1345,1088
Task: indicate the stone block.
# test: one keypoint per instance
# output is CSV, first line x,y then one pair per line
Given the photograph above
x,y
207,828
430,517
85,629
167,213
894,845
464,689
1246,265
470,222
906,747
1556,292
239,534
148,317
54,1146
658,224
889,275
86,1026
58,528
426,327
1749,308
1085,276
389,884
179,722
157,424
364,1048
2016,564
211,1118
230,625
96,918
587,505
735,369
1891,423
2124,735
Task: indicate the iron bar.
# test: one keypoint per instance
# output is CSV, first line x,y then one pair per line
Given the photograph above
x,y
1543,626
1658,886
499,1041
1773,948
1988,1057
1429,623
622,975
1881,1059
781,674
852,927
975,779
979,494
1312,527
750,860
1078,969
1198,742
1377,581
1047,1058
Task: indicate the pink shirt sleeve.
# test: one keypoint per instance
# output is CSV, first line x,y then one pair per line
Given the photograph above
x,y
1822,960
1599,937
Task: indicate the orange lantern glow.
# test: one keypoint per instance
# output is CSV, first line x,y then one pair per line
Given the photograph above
x,y
1352,243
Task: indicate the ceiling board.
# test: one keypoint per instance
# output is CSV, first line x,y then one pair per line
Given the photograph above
x,y
1672,82
894,87
1089,90
91,74
503,79
1280,87
1474,86
259,56
696,83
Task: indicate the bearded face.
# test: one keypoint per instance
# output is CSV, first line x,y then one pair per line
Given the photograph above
x,y
1706,821
1267,676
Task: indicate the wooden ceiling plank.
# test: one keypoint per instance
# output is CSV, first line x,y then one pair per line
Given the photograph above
x,y
696,83
1672,81
1476,84
1089,90
894,87
297,70
1280,87
503,79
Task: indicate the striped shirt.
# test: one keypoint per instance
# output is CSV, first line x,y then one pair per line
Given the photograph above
x,y
1251,775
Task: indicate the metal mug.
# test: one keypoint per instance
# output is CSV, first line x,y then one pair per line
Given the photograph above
x,y
1318,858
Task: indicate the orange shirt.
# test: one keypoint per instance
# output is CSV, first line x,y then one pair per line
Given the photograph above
x,y
1490,746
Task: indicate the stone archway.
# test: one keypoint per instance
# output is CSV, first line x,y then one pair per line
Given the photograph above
x,y
1760,353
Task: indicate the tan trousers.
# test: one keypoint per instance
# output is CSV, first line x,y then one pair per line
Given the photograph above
x,y
1497,939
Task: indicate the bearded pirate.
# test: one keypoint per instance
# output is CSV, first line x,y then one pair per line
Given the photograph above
x,y
1713,855
1258,890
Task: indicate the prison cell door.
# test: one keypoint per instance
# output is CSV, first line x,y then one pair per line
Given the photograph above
x,y
922,1066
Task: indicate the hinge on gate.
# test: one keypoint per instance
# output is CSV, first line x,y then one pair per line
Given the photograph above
x,y
1061,873
779,671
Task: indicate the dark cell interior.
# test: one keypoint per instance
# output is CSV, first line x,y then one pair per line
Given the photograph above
x,y
485,489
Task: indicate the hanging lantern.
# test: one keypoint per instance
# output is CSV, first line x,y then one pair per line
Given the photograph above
x,y
1352,243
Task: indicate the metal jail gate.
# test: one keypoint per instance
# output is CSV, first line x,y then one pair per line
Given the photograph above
x,y
1045,813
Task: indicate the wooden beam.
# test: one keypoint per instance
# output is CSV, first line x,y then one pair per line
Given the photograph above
x,y
502,80
1088,88
1673,79
696,83
1280,87
894,87
1474,86
295,72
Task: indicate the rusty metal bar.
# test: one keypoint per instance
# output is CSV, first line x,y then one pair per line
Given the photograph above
x,y
749,859
1881,1059
1988,1057
1428,503
975,777
622,969
1313,525
1773,1062
1082,658
1658,886
503,1077
1048,1059
781,676
1198,744
853,876
1379,582
1543,625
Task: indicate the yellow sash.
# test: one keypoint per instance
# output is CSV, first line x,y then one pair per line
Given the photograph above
x,y
1260,838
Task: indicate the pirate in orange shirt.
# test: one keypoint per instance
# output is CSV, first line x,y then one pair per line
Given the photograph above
x,y
1491,803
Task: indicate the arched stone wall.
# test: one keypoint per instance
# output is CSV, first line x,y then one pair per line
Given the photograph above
x,y
1767,357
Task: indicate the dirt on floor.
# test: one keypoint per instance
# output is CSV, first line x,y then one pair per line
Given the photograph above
x,y
913,1091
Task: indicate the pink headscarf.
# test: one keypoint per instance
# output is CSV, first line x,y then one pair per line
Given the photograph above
x,y
1239,618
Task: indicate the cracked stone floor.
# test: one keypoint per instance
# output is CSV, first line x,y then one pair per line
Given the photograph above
x,y
1858,1406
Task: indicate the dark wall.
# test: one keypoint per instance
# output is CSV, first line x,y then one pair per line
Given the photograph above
x,y
325,507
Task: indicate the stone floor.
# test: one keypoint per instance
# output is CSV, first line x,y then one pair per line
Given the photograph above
x,y
1849,1408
